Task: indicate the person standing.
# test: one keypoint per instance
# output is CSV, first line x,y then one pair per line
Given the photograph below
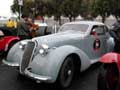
x,y
9,24
116,34
23,30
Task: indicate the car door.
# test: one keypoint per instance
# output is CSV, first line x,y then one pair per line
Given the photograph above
x,y
95,42
100,43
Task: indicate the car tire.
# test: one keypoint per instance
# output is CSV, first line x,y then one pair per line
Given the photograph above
x,y
108,77
66,73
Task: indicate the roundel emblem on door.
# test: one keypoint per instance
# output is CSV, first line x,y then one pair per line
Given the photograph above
x,y
96,44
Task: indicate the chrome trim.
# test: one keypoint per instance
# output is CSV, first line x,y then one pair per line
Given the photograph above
x,y
37,77
27,57
9,63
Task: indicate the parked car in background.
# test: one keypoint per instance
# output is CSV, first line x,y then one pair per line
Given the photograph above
x,y
109,73
58,57
7,40
44,29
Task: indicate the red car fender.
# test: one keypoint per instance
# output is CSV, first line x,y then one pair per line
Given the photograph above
x,y
110,58
9,39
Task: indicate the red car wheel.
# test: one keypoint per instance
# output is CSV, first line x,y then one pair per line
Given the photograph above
x,y
108,77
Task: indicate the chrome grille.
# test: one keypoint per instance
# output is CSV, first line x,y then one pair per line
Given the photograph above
x,y
27,56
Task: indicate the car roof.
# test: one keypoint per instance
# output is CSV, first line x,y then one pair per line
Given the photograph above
x,y
86,22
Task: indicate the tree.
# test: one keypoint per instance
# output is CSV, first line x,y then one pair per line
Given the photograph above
x,y
71,8
86,8
29,7
101,7
115,7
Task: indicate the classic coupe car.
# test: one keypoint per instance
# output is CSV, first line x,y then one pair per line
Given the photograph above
x,y
7,40
61,56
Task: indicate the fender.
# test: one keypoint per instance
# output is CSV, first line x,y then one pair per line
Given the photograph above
x,y
50,65
11,38
111,57
14,55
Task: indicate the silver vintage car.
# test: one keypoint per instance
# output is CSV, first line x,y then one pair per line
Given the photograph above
x,y
59,57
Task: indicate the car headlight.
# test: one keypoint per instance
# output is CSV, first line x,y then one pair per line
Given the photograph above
x,y
44,49
22,45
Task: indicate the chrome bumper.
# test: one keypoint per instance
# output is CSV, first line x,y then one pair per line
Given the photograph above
x,y
9,63
37,77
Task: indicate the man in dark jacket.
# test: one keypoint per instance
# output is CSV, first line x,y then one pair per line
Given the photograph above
x,y
116,35
23,30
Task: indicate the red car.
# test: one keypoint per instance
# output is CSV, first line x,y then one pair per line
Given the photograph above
x,y
109,73
7,39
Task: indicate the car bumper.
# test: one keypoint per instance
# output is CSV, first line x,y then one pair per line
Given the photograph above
x,y
9,63
38,78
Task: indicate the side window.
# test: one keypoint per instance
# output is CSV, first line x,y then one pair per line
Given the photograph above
x,y
106,29
99,30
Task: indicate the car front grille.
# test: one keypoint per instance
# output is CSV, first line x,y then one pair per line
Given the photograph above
x,y
27,56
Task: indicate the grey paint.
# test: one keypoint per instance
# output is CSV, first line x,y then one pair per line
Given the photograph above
x,y
61,45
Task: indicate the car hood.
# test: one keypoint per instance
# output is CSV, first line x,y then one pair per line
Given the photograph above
x,y
60,38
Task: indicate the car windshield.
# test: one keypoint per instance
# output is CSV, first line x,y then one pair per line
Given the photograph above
x,y
76,27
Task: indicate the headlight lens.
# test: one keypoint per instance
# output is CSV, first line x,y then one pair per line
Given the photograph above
x,y
44,49
41,51
22,45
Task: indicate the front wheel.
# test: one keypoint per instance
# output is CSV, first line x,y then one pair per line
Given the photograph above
x,y
66,73
108,77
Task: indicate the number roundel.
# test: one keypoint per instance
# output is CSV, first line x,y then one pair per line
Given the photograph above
x,y
96,44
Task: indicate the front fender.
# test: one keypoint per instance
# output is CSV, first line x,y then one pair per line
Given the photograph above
x,y
111,57
50,65
12,39
14,55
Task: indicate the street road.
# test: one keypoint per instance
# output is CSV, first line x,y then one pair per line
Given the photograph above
x,y
10,80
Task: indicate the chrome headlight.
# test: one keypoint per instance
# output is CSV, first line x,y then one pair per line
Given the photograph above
x,y
44,49
22,45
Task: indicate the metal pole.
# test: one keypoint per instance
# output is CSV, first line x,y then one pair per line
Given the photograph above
x,y
20,3
20,11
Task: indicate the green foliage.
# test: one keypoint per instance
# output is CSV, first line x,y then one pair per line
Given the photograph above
x,y
105,8
69,8
101,7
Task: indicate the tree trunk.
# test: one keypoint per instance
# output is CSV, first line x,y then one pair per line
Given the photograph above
x,y
59,19
70,18
103,18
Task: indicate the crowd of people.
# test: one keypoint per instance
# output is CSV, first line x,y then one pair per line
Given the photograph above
x,y
24,28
